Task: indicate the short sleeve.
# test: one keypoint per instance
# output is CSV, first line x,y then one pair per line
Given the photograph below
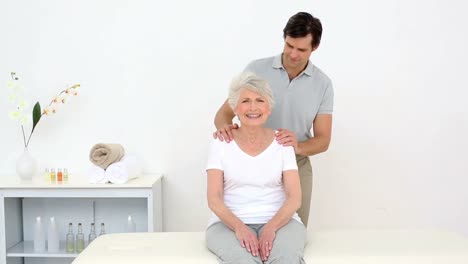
x,y
289,159
249,67
215,155
326,106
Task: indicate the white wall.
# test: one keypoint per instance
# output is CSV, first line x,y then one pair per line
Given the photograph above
x,y
153,75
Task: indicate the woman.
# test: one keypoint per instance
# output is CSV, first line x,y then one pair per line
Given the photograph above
x,y
253,186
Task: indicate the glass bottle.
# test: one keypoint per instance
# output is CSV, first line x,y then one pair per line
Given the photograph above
x,y
103,230
52,236
47,175
59,175
65,175
39,236
70,239
53,176
92,234
79,239
131,227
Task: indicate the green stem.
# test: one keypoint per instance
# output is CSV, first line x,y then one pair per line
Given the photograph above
x,y
27,143
24,137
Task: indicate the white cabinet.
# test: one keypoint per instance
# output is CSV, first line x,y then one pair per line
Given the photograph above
x,y
73,202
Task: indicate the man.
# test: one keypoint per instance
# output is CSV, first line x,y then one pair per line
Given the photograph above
x,y
303,97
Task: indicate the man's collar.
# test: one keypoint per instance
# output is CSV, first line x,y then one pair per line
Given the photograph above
x,y
277,64
309,69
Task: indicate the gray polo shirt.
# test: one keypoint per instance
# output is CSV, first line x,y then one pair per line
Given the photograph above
x,y
296,102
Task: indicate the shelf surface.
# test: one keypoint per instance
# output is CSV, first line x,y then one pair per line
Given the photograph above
x,y
26,249
76,182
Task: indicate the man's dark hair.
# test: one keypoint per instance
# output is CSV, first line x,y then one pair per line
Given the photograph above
x,y
303,24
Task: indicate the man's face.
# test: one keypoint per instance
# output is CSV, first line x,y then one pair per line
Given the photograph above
x,y
296,52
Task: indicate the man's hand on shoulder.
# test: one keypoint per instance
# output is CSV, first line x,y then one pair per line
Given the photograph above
x,y
225,133
287,138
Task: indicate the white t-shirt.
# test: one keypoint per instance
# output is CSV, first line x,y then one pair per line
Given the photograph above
x,y
253,186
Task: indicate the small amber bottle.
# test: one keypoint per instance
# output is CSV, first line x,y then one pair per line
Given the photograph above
x,y
59,175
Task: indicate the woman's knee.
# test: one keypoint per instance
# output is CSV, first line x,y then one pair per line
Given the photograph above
x,y
288,258
236,256
223,243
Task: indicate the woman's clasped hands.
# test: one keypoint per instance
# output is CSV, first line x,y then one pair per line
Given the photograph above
x,y
257,247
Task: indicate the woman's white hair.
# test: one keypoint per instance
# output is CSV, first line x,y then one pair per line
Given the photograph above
x,y
251,82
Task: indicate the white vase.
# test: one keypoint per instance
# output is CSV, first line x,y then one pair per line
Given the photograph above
x,y
26,165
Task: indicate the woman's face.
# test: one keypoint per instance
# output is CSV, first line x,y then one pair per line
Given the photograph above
x,y
252,109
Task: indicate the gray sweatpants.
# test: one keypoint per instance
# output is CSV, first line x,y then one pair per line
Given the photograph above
x,y
288,246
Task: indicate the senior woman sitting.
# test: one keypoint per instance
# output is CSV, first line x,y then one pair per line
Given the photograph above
x,y
253,186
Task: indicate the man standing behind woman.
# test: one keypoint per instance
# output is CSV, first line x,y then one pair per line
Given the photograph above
x,y
253,186
303,96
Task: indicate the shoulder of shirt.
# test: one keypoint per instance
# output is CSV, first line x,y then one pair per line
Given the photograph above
x,y
218,142
262,62
279,146
320,74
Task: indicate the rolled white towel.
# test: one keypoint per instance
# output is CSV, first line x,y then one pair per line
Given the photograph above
x,y
96,174
124,170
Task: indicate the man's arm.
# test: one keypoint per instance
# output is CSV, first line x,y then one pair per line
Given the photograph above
x,y
322,136
319,143
224,116
223,123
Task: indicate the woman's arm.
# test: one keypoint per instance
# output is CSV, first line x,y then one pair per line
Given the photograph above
x,y
215,195
292,188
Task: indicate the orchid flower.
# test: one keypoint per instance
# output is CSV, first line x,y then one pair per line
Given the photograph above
x,y
18,113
